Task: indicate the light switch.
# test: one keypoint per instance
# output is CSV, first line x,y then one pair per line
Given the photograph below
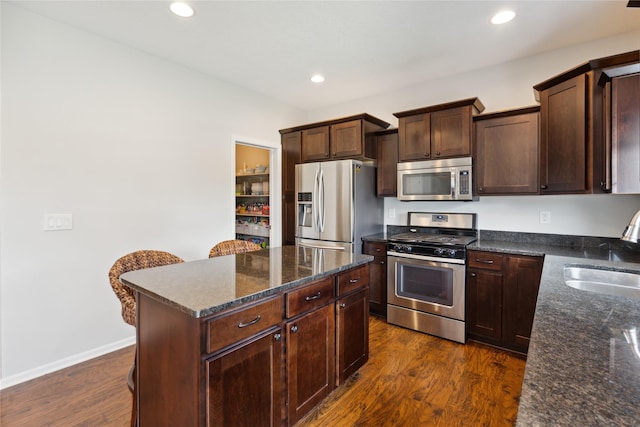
x,y
54,222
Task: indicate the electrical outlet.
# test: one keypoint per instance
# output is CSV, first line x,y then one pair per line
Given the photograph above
x,y
54,222
545,217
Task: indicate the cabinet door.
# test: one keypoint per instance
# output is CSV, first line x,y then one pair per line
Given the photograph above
x,y
377,278
414,138
521,284
451,132
244,385
346,140
315,144
484,303
352,333
562,137
291,146
387,157
507,155
626,133
310,360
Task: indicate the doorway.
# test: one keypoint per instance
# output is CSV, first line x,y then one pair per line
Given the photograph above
x,y
254,190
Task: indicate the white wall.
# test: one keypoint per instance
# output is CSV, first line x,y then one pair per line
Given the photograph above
x,y
502,87
139,150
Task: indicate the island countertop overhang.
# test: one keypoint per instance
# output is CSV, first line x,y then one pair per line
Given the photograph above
x,y
204,287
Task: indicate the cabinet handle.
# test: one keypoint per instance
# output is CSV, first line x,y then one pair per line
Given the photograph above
x,y
437,153
277,337
253,322
484,261
543,186
294,328
480,189
427,155
473,274
312,297
377,249
354,280
381,262
343,305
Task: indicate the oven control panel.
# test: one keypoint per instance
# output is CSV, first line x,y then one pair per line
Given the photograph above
x,y
433,251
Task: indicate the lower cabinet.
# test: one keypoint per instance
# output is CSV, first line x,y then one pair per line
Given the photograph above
x,y
247,376
352,334
377,277
310,360
501,294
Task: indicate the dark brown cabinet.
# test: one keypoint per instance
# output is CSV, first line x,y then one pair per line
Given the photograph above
x,y
310,360
310,334
387,155
291,147
345,138
625,117
501,294
377,277
575,127
315,144
438,131
247,376
506,152
352,322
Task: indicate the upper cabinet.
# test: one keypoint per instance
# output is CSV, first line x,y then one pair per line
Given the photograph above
x,y
575,129
438,131
506,152
345,138
622,85
387,155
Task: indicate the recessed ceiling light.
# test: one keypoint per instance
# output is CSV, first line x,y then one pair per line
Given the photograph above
x,y
181,9
317,78
503,17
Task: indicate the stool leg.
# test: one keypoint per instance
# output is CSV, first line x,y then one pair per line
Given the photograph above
x,y
131,382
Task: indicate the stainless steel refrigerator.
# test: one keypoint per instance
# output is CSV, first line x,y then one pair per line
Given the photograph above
x,y
336,205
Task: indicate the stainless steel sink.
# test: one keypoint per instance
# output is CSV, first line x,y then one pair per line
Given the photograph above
x,y
610,282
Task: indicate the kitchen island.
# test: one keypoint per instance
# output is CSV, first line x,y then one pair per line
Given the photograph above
x,y
216,338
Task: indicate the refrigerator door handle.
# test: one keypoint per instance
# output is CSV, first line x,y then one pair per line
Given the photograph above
x,y
321,213
315,201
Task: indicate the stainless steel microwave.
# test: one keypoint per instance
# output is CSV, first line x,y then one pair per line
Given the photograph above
x,y
443,179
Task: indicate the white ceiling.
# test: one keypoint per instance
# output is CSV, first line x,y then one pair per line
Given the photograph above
x,y
363,47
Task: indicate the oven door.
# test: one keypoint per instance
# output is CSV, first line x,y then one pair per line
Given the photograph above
x,y
429,286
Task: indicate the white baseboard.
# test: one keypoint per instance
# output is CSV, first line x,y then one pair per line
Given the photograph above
x,y
64,363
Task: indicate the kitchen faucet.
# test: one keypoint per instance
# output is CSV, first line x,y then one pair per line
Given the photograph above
x,y
632,231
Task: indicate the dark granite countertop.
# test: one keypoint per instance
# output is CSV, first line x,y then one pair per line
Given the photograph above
x,y
583,365
207,286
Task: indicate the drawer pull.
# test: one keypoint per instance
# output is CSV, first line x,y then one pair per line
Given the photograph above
x,y
354,280
486,261
312,297
253,322
277,337
294,328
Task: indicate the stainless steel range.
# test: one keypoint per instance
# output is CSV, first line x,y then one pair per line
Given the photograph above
x,y
426,273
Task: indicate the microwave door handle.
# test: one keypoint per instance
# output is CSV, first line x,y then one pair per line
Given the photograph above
x,y
454,190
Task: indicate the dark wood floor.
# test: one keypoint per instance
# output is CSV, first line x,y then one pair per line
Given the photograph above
x,y
411,379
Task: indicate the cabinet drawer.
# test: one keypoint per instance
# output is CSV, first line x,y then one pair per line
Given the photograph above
x,y
243,323
485,260
353,279
375,248
309,297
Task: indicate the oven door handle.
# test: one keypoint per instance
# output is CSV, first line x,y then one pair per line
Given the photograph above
x,y
427,258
